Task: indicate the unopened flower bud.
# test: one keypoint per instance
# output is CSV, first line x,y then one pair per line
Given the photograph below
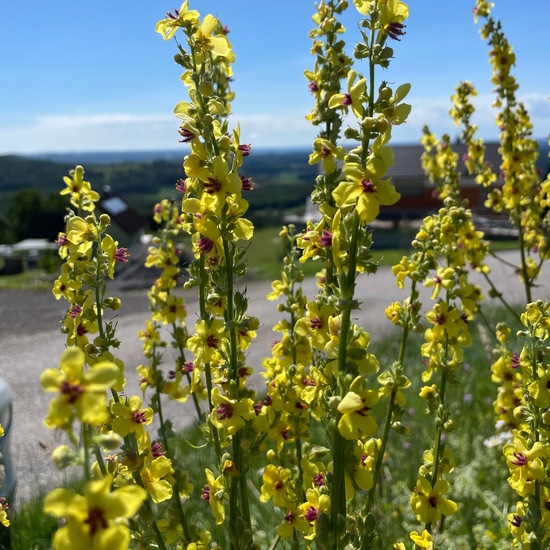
x,y
450,425
112,303
385,93
253,323
109,441
382,124
225,143
520,413
368,123
179,59
400,428
104,220
62,457
206,88
334,401
351,133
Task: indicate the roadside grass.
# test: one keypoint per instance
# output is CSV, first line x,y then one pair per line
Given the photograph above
x,y
264,256
35,279
478,481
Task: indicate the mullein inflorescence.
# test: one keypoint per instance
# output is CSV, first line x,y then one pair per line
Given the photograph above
x,y
521,366
93,423
326,364
212,212
317,423
446,248
4,505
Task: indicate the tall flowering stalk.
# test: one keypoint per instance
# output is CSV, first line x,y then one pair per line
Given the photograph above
x,y
329,361
213,210
4,505
523,198
446,247
87,371
317,421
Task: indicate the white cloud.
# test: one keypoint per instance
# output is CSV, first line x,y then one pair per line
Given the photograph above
x,y
126,131
434,112
96,132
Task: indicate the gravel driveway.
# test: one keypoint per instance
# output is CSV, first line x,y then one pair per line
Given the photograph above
x,y
31,342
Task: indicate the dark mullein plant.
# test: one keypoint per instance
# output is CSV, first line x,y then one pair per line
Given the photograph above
x,y
328,367
212,212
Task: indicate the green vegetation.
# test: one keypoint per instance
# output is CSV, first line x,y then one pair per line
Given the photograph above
x,y
31,206
477,481
32,279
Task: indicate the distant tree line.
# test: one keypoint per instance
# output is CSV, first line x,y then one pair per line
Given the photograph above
x,y
31,206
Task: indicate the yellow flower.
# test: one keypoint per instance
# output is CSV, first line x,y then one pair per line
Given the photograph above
x,y
326,151
276,486
316,324
446,320
66,286
129,417
317,504
539,389
423,540
428,503
170,307
391,14
208,340
216,44
353,98
80,191
214,492
81,392
229,414
114,254
525,464
97,519
293,522
182,18
3,511
356,422
363,189
219,182
157,478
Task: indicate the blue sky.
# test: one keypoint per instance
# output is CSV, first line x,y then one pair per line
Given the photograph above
x,y
94,76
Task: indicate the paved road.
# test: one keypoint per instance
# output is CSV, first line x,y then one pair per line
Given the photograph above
x,y
30,343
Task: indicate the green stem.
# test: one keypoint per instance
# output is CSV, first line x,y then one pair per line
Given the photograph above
x,y
524,271
213,430
86,444
100,461
380,452
498,294
239,489
181,351
275,543
176,488
151,518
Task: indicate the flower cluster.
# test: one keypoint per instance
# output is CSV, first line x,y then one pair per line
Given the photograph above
x,y
527,376
519,193
447,246
323,427
212,212
3,503
322,367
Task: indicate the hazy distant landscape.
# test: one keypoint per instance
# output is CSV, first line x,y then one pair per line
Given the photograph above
x,y
30,185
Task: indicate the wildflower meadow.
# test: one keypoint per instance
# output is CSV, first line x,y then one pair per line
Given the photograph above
x,y
315,456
